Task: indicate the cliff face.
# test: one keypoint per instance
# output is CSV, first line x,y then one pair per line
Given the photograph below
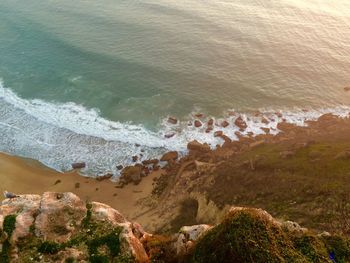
x,y
60,227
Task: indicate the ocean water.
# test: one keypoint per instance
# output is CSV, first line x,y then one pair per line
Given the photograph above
x,y
95,81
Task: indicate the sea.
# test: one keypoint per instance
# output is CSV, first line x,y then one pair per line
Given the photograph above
x,y
96,81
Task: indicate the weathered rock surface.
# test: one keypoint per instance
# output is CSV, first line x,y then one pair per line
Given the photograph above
x,y
60,227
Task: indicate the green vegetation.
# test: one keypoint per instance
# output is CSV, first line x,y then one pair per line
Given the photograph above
x,y
8,226
251,237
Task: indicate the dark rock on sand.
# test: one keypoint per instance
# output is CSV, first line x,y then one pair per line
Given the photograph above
x,y
104,177
78,165
132,174
119,167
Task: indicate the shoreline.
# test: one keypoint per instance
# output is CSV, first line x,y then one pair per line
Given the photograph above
x,y
239,173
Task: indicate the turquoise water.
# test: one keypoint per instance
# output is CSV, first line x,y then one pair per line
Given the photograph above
x,y
87,80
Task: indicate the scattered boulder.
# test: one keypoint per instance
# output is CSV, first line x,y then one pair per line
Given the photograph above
x,y
199,115
240,123
211,122
119,167
135,158
169,156
225,124
132,174
78,165
197,124
218,133
172,120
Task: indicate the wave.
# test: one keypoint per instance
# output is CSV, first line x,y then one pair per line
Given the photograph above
x,y
60,134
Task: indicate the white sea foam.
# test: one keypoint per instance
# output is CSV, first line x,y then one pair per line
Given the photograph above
x,y
60,134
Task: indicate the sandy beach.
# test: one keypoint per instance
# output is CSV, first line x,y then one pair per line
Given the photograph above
x,y
26,176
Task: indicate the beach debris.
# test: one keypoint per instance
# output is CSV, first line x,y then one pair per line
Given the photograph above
x,y
172,120
197,123
78,165
10,195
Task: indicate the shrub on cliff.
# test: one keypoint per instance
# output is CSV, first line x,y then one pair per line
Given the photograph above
x,y
252,235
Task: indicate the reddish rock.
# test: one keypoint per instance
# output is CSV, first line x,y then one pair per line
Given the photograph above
x,y
132,174
172,120
225,124
197,146
347,88
218,133
240,123
78,165
211,122
199,115
197,123
135,158
231,113
169,156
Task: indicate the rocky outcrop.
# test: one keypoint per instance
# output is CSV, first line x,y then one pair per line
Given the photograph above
x,y
57,227
60,227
